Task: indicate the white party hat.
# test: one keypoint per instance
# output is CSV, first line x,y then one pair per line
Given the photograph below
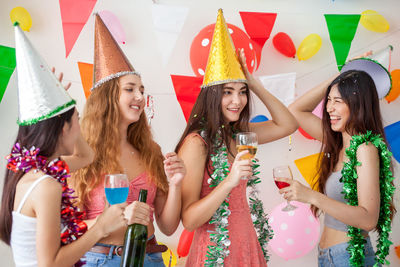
x,y
377,66
40,95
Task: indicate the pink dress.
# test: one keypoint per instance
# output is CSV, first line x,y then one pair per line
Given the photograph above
x,y
245,250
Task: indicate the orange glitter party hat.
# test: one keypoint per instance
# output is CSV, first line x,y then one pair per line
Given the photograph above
x,y
109,60
223,66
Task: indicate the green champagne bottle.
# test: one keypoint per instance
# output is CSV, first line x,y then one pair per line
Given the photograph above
x,y
135,241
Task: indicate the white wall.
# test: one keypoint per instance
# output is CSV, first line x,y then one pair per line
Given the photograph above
x,y
297,18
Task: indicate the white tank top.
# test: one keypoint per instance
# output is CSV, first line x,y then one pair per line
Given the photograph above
x,y
23,233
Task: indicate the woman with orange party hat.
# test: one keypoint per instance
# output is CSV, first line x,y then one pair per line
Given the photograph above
x,y
214,204
116,128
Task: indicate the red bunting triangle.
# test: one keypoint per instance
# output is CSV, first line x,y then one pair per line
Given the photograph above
x,y
187,88
258,26
74,15
86,72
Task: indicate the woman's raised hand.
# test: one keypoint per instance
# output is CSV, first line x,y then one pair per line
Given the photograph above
x,y
174,168
252,82
60,78
240,168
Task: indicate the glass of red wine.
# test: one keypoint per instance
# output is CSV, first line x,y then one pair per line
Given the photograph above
x,y
283,172
116,187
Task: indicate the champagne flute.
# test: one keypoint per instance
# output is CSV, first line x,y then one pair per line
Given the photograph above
x,y
116,187
247,141
283,172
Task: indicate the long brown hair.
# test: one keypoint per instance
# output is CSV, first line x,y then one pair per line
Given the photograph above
x,y
100,129
358,91
43,135
207,115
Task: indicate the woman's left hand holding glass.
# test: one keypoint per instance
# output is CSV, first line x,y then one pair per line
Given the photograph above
x,y
296,191
174,169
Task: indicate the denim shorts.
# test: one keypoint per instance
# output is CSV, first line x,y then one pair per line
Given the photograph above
x,y
338,256
93,259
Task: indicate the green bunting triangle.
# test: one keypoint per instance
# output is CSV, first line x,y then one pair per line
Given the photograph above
x,y
7,66
342,29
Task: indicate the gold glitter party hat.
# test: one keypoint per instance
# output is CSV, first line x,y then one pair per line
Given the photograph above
x,y
110,61
223,66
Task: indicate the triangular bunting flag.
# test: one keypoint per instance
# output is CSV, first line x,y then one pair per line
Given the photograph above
x,y
86,72
342,29
258,26
393,137
187,88
282,86
168,23
7,66
308,167
74,15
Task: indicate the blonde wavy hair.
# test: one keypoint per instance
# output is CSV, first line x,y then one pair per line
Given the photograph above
x,y
100,129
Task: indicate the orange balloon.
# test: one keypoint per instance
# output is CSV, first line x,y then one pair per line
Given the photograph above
x,y
395,91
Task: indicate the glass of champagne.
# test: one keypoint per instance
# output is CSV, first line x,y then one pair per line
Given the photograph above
x,y
283,172
247,141
116,187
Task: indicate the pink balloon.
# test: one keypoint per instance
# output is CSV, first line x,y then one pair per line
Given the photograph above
x,y
113,24
295,232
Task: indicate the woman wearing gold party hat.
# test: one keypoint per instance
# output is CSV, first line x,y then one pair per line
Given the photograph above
x,y
116,127
228,232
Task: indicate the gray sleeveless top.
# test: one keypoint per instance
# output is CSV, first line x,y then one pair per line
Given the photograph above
x,y
333,189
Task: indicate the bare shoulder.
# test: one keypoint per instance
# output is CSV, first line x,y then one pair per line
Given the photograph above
x,y
193,142
367,149
47,186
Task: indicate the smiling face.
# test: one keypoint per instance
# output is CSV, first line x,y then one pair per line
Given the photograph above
x,y
234,99
338,110
131,99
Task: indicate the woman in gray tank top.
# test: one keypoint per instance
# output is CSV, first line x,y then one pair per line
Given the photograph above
x,y
351,111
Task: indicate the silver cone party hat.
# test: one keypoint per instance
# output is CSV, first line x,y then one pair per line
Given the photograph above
x,y
377,66
40,95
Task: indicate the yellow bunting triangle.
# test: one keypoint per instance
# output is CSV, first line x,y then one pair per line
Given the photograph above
x,y
308,167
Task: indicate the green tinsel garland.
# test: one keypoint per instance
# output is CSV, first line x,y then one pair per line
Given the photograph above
x,y
349,179
220,236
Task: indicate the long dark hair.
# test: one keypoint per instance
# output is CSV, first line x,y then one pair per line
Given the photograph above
x,y
207,115
358,91
44,135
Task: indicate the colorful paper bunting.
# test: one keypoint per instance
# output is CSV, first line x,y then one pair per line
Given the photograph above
x,y
7,66
258,26
393,137
187,88
74,15
308,167
86,72
342,29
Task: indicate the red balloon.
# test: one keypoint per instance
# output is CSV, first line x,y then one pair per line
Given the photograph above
x,y
200,48
185,241
284,44
305,134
